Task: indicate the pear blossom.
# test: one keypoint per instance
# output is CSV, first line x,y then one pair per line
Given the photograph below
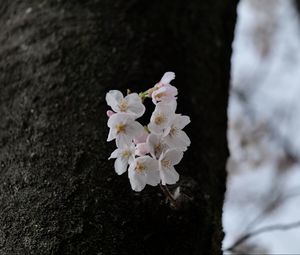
x,y
144,170
161,117
131,104
174,136
156,145
167,160
164,91
123,156
123,128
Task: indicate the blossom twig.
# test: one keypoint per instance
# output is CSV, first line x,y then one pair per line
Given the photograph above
x,y
168,194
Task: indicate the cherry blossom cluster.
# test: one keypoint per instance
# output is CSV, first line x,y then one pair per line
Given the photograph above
x,y
151,151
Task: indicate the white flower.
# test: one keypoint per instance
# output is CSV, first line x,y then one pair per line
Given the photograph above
x,y
131,104
141,145
153,151
124,156
163,91
166,164
156,145
144,170
174,136
123,128
161,117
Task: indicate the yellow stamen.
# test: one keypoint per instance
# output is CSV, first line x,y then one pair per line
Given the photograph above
x,y
158,96
159,119
126,154
173,131
166,163
139,167
120,128
123,105
157,149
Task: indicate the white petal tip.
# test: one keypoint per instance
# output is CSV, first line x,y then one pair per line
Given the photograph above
x,y
167,77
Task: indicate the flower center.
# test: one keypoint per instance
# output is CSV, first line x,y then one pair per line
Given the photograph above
x,y
139,167
126,154
159,119
157,149
166,163
173,131
160,95
123,105
120,128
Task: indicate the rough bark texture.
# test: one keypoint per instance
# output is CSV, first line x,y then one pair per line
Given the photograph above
x,y
58,192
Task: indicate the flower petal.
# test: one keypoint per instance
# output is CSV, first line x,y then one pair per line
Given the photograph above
x,y
141,149
121,165
155,129
152,142
181,121
167,77
135,105
173,155
114,154
161,117
123,140
118,118
180,140
111,135
137,180
142,138
134,129
153,177
113,97
156,145
156,95
171,90
185,140
169,176
152,172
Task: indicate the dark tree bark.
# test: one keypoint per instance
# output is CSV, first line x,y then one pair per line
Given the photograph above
x,y
297,4
58,192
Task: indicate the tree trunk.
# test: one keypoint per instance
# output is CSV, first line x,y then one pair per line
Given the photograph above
x,y
297,4
58,192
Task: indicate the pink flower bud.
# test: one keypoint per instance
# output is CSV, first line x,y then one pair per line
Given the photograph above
x,y
109,113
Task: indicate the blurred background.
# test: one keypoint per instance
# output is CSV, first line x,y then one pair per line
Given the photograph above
x,y
262,207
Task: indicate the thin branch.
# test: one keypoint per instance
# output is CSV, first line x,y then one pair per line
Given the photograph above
x,y
277,227
168,195
263,214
